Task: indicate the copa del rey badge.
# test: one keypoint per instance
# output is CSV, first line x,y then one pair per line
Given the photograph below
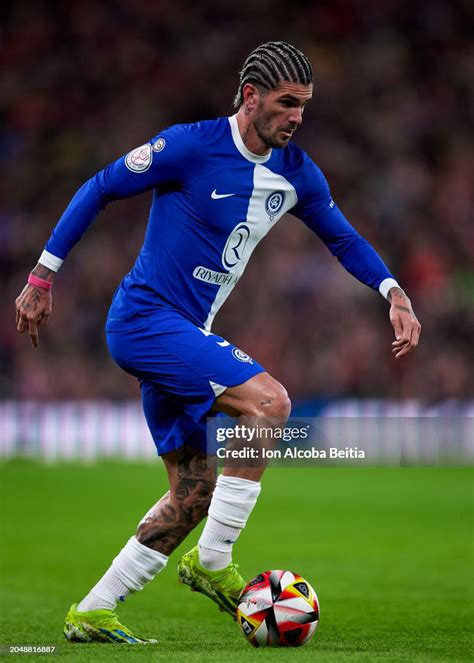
x,y
139,159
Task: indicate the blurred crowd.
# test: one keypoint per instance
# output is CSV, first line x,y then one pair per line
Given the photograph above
x,y
82,82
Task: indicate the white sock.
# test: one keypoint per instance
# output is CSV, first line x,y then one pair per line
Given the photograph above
x,y
134,566
232,502
215,544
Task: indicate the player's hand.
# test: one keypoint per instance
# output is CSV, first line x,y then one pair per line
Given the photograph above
x,y
33,308
404,321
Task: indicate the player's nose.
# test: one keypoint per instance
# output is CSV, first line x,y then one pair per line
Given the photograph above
x,y
296,116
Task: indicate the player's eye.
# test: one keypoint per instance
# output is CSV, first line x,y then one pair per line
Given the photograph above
x,y
289,103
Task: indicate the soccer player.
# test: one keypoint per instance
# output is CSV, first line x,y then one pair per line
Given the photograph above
x,y
218,187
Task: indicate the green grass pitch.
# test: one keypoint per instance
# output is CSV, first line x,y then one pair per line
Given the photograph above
x,y
388,550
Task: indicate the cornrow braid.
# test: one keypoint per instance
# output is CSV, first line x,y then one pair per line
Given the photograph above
x,y
271,63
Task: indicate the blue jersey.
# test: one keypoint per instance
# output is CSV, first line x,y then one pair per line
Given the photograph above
x,y
213,201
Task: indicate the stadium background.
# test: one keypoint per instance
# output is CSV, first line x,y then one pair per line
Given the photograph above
x,y
389,550
390,125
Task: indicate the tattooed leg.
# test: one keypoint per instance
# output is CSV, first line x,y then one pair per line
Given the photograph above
x,y
183,507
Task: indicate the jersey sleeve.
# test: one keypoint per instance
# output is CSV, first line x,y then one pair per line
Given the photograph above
x,y
318,211
169,157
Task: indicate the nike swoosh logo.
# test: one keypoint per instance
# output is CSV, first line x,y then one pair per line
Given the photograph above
x,y
216,196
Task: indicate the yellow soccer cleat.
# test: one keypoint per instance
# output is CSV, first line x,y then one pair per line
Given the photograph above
x,y
99,626
224,587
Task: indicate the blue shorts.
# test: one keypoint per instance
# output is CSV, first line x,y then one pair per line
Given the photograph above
x,y
181,369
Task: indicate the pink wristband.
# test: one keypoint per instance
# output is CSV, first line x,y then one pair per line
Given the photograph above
x,y
39,283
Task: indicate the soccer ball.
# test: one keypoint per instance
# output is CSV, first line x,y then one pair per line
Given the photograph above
x,y
278,609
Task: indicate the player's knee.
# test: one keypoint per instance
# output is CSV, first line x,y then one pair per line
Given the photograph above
x,y
274,404
282,405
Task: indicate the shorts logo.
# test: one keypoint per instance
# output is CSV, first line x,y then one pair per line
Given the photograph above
x,y
234,249
242,356
139,159
274,203
159,145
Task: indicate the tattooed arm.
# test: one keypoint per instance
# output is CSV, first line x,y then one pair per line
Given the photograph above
x,y
404,321
33,305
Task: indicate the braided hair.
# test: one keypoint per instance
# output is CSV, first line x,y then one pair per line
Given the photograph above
x,y
271,63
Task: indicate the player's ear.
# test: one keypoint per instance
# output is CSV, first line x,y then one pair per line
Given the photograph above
x,y
250,95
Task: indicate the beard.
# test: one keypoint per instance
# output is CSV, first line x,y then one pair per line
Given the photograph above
x,y
268,136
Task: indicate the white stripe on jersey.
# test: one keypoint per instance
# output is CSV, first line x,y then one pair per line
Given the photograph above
x,y
258,223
